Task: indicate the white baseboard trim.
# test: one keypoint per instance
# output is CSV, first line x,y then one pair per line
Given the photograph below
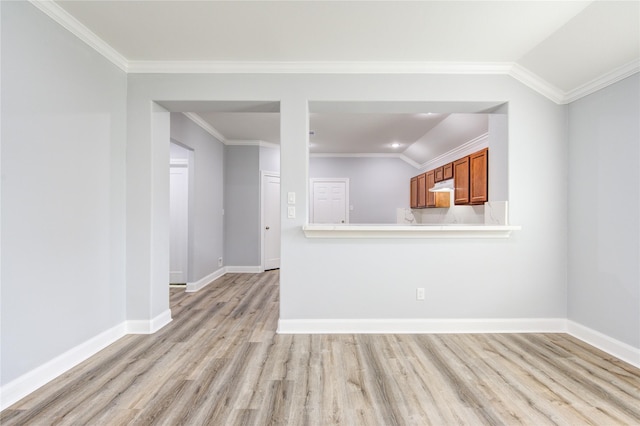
x,y
22,386
150,326
422,326
244,269
603,342
204,281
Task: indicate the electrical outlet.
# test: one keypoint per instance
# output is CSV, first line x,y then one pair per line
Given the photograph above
x,y
420,293
219,261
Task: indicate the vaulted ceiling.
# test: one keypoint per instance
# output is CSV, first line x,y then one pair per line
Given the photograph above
x,y
562,49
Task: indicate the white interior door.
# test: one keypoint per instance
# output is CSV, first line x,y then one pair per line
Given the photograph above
x,y
271,221
329,201
179,218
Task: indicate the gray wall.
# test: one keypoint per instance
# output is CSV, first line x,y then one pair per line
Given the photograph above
x,y
524,276
206,226
242,206
604,211
269,159
377,186
63,191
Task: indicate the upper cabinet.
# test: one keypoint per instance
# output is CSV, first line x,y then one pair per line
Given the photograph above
x,y
414,192
461,181
431,196
421,197
439,174
470,181
471,178
422,191
447,171
478,166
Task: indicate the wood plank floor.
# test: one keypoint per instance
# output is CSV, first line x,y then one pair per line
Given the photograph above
x,y
220,362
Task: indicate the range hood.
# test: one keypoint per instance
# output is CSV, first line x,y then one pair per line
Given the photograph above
x,y
443,186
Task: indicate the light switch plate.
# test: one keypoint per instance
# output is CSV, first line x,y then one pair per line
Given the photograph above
x,y
291,212
291,197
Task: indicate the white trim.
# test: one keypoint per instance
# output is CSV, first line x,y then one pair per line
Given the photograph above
x,y
243,142
20,387
535,82
421,326
366,155
313,67
205,126
408,231
71,24
178,162
192,287
466,148
149,326
244,269
603,81
515,70
603,342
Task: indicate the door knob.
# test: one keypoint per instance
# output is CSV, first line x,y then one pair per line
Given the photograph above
x,y
267,228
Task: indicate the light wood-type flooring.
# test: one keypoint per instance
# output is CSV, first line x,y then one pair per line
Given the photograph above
x,y
220,362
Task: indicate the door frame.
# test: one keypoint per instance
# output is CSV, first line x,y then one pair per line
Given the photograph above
x,y
346,195
263,176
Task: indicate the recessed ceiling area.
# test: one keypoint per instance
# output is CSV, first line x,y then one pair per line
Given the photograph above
x,y
421,131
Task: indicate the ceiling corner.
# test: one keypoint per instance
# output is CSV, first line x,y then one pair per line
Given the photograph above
x,y
67,21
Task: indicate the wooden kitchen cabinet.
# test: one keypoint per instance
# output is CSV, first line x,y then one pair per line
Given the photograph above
x,y
431,196
414,192
439,174
471,178
461,181
422,191
447,171
436,199
478,171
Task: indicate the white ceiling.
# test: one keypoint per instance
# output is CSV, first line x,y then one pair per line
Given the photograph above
x,y
564,49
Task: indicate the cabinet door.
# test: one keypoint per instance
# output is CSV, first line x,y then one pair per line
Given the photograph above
x,y
431,181
447,171
461,181
414,192
478,166
439,174
422,200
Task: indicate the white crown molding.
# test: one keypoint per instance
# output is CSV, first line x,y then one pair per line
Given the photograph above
x,y
62,17
205,126
603,81
535,82
325,67
243,142
367,155
517,71
466,148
